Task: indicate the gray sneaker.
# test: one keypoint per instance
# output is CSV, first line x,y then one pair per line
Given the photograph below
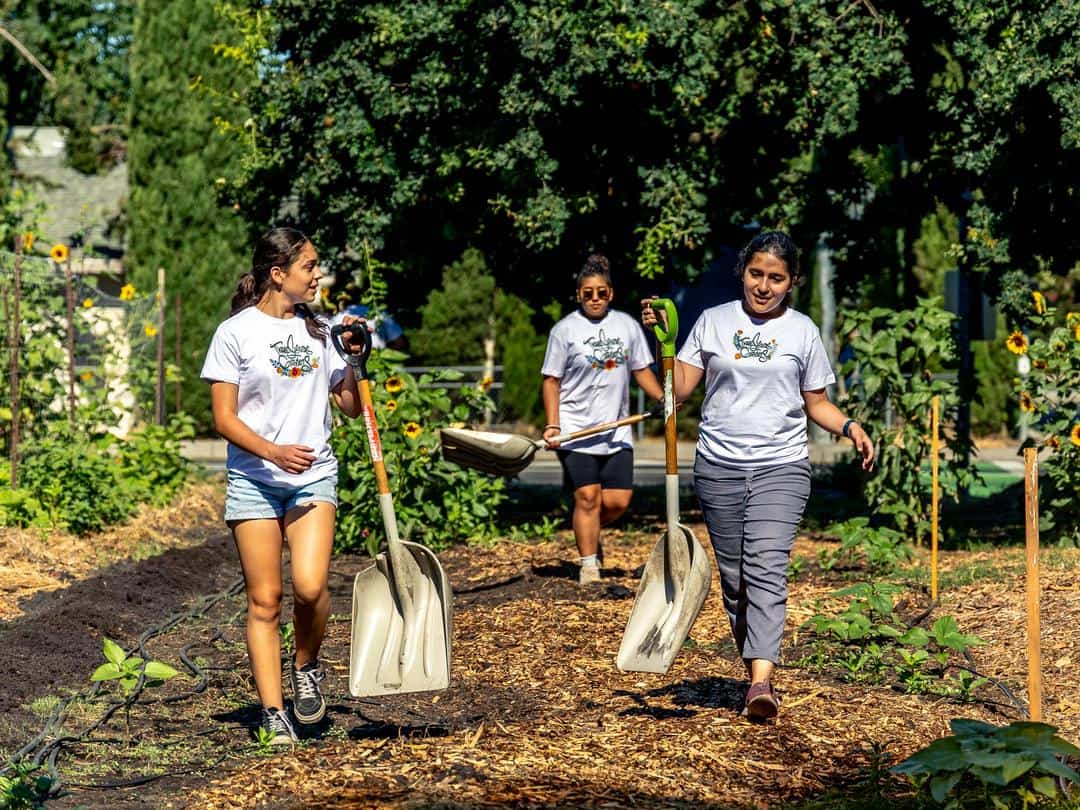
x,y
276,723
309,706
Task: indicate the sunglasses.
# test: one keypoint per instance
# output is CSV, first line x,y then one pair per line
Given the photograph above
x,y
600,294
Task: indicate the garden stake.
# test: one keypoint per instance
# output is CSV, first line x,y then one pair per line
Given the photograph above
x,y
676,577
401,611
15,341
69,301
159,383
1031,536
935,406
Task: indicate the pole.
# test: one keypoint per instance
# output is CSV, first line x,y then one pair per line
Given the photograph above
x,y
935,408
69,299
1031,536
176,354
15,341
159,386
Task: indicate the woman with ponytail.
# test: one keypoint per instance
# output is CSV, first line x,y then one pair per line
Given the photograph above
x,y
272,371
591,355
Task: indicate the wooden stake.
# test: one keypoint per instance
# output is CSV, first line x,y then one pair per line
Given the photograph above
x,y
15,345
1031,520
178,307
935,409
69,300
159,386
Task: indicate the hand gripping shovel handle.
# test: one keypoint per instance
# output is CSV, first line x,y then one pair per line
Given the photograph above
x,y
655,410
396,552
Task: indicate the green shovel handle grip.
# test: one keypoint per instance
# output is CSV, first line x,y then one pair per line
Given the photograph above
x,y
666,336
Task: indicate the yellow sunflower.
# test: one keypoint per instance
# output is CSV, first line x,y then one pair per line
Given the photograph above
x,y
149,329
86,376
1053,442
1017,342
1074,434
59,253
391,405
412,430
394,384
87,303
1073,318
485,384
1076,332
28,241
1040,302
1039,363
127,292
1027,404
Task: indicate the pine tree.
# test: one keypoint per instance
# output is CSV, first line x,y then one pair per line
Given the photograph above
x,y
176,157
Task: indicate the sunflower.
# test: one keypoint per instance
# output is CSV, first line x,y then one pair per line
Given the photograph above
x,y
86,376
149,329
1040,302
1053,442
391,405
412,430
485,384
1074,434
59,253
1027,404
28,241
1071,318
394,384
1017,343
87,303
1076,332
127,292
1039,363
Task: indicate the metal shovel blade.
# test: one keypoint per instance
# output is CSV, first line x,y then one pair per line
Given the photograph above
x,y
396,649
503,454
672,590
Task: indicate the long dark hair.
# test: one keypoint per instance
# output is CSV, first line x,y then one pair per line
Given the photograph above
x,y
775,243
595,265
278,247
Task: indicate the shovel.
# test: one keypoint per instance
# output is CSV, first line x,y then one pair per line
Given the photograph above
x,y
676,577
507,454
401,612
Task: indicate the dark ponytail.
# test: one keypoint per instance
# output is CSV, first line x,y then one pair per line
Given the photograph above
x,y
278,247
775,243
595,265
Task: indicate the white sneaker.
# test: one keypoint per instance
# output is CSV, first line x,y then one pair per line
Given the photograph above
x,y
588,574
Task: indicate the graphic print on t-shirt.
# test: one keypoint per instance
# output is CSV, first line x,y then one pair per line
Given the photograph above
x,y
607,353
293,360
754,347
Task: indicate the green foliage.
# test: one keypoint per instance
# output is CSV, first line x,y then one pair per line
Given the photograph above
x,y
151,467
881,551
127,669
896,353
177,156
436,502
1049,398
23,790
982,765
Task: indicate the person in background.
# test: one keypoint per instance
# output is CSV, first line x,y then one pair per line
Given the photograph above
x,y
591,356
387,335
765,371
272,372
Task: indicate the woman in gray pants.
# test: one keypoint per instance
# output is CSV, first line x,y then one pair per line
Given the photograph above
x,y
765,371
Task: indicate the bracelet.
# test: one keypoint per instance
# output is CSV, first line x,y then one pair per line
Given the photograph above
x,y
846,429
549,427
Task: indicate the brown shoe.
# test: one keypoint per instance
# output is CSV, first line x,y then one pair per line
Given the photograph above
x,y
761,701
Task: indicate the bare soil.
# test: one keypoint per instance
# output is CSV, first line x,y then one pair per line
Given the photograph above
x,y
537,714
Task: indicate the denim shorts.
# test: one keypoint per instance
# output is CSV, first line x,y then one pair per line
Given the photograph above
x,y
248,499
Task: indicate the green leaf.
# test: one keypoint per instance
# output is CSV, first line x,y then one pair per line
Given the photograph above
x,y
1016,767
106,672
1044,785
942,785
941,755
160,671
114,652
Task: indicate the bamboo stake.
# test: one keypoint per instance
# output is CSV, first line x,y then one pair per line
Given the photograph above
x,y
69,300
15,341
1031,536
935,410
159,385
177,308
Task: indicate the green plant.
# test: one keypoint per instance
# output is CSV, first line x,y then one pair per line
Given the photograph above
x,y
992,766
127,669
151,466
967,683
881,550
436,502
795,567
264,741
23,790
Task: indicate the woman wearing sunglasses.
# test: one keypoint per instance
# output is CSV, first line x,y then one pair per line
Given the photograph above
x,y
591,355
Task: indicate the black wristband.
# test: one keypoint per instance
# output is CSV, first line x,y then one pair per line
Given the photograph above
x,y
846,429
549,427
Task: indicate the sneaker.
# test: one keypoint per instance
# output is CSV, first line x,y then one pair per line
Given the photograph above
x,y
309,706
276,723
588,574
761,701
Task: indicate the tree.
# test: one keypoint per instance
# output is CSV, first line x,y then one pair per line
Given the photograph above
x,y
177,156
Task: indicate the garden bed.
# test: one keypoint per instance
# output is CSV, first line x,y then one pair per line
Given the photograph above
x,y
537,712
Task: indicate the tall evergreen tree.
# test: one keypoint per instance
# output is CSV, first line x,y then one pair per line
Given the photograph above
x,y
176,157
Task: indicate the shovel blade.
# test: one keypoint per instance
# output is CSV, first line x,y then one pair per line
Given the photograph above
x,y
502,454
391,652
672,590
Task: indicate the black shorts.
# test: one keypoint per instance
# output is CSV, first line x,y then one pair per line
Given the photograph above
x,y
614,471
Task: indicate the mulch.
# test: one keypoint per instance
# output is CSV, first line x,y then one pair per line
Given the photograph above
x,y
537,713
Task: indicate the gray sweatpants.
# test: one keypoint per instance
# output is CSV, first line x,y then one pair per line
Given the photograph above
x,y
752,516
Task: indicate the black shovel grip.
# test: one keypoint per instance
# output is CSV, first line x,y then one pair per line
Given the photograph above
x,y
357,361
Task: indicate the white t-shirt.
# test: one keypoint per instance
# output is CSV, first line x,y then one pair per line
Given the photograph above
x,y
755,372
593,361
284,376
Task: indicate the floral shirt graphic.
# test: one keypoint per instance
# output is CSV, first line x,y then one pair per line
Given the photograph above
x,y
606,353
754,347
293,360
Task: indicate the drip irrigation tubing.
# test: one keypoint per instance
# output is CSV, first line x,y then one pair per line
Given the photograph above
x,y
42,750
